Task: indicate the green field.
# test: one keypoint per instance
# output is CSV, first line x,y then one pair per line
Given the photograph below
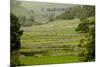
x,y
55,42
30,60
56,33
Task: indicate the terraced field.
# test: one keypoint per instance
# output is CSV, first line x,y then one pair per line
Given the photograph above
x,y
55,42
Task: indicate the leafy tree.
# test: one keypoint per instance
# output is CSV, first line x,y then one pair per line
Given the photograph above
x,y
88,43
15,39
87,11
83,27
87,26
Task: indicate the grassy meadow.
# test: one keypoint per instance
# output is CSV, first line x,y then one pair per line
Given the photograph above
x,y
58,38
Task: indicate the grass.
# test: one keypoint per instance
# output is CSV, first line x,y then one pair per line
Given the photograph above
x,y
58,32
31,60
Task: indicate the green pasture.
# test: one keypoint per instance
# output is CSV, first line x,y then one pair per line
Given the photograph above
x,y
56,32
31,60
48,37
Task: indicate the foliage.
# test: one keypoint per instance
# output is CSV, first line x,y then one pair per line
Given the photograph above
x,y
87,11
15,58
15,39
66,15
15,33
80,12
87,26
83,27
90,45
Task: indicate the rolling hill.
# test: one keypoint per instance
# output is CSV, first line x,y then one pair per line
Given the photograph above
x,y
40,10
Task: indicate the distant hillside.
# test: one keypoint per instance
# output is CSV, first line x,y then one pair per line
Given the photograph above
x,y
39,6
18,10
41,11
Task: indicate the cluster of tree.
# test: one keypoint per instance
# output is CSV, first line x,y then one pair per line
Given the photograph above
x,y
15,39
68,14
88,43
77,11
87,25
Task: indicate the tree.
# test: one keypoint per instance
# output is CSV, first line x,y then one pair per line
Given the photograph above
x,y
15,39
88,43
87,26
87,11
